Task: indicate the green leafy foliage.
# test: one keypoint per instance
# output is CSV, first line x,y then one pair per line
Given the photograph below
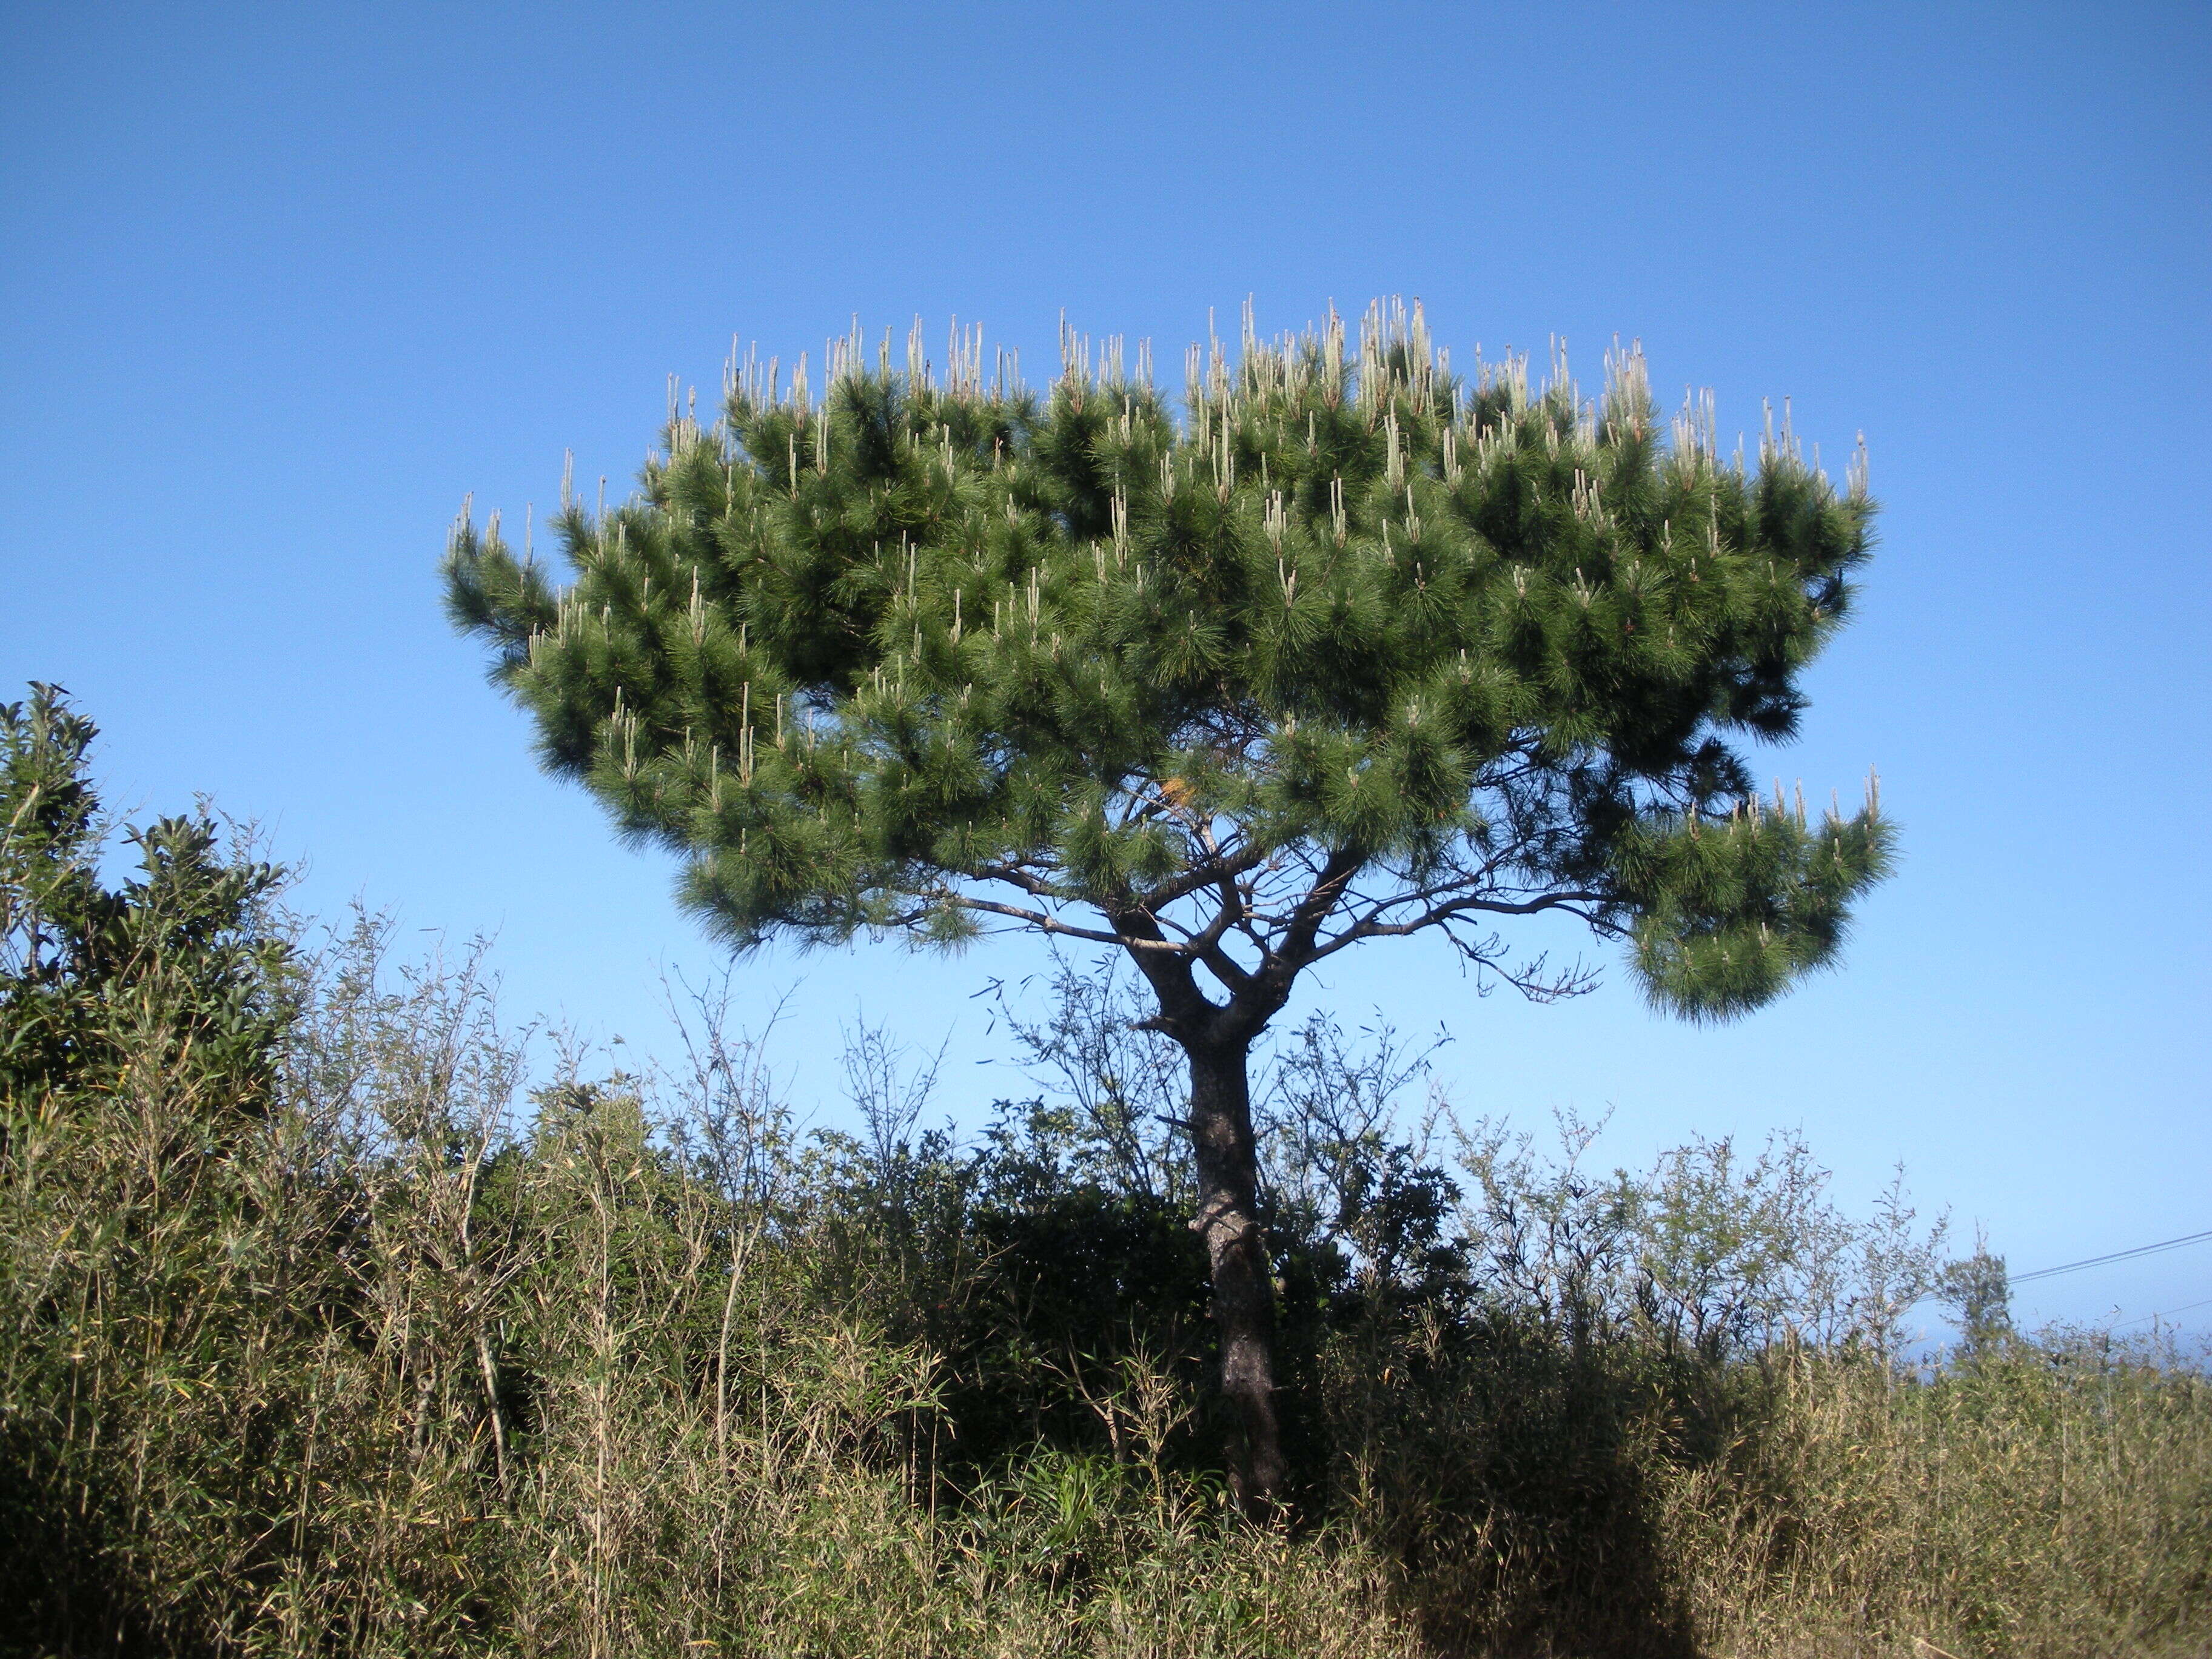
x,y
183,946
1352,647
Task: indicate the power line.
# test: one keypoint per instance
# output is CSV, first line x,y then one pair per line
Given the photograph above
x,y
2117,1255
2146,1318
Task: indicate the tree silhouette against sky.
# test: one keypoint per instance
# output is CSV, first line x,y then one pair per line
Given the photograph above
x,y
1355,648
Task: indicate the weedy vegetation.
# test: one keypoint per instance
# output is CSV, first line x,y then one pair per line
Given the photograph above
x,y
328,1325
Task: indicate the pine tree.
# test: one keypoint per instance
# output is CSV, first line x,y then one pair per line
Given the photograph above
x,y
1354,648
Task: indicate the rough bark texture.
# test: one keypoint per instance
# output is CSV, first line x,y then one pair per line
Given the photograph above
x,y
1217,1038
1227,1157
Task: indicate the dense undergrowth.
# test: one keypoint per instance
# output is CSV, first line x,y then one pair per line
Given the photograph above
x,y
320,1332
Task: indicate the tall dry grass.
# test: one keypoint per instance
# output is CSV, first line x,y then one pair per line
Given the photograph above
x,y
2051,1498
318,1336
383,1370
388,1369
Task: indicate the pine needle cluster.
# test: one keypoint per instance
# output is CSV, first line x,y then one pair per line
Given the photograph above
x,y
1350,646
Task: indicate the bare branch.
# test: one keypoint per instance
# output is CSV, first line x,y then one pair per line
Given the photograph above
x,y
1049,924
1371,925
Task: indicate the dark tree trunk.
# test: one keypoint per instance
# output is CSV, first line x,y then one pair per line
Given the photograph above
x,y
1227,1157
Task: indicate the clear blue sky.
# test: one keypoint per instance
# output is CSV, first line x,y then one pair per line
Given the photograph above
x,y
279,285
